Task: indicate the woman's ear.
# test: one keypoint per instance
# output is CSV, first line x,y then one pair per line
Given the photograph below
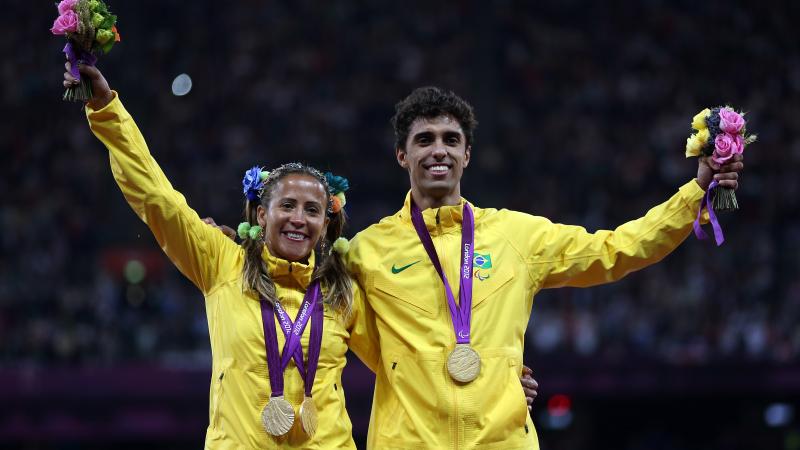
x,y
324,230
261,216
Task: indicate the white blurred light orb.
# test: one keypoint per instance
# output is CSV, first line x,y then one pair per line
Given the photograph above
x,y
181,85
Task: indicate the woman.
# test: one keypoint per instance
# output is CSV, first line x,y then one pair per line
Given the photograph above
x,y
275,384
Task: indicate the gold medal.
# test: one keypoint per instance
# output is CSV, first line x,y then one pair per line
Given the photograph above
x,y
464,363
308,416
278,416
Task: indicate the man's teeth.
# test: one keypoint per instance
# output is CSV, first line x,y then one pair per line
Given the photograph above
x,y
438,169
296,236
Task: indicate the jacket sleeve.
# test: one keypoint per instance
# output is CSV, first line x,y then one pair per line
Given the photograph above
x,y
567,255
363,339
193,246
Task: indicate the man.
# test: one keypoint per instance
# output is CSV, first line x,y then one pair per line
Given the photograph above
x,y
448,375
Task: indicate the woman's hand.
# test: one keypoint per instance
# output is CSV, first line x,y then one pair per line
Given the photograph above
x,y
101,93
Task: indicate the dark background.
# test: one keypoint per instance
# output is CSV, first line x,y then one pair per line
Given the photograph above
x,y
584,108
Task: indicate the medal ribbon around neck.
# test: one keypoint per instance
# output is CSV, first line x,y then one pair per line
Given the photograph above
x,y
461,313
277,362
286,327
279,415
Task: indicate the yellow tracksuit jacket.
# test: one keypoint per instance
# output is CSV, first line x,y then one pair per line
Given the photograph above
x,y
416,404
239,380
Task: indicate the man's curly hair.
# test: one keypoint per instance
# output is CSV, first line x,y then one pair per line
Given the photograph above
x,y
430,102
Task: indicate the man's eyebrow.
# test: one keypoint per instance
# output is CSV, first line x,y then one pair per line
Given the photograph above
x,y
422,134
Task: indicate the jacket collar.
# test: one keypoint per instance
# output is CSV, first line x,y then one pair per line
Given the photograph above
x,y
443,219
283,271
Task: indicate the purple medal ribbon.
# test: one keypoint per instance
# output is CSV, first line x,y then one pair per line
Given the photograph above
x,y
460,314
314,346
712,217
76,56
292,349
286,327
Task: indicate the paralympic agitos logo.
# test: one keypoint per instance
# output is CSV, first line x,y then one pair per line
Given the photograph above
x,y
481,262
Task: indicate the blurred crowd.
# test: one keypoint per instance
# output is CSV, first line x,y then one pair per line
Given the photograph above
x,y
584,109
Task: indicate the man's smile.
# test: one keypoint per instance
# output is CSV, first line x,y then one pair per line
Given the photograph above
x,y
437,169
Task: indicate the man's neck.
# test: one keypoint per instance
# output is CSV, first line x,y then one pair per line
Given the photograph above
x,y
426,201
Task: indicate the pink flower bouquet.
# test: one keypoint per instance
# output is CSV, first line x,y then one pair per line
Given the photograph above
x,y
90,29
720,133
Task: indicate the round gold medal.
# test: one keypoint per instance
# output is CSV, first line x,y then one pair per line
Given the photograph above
x,y
308,416
464,363
278,416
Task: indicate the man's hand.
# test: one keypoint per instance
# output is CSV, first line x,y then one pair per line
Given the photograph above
x,y
529,385
727,176
226,230
101,93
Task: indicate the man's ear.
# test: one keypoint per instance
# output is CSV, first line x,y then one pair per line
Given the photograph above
x,y
467,154
400,153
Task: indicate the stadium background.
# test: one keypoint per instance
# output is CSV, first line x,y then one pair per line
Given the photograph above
x,y
584,109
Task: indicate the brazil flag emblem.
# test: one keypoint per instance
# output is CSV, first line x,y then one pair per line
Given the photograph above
x,y
482,261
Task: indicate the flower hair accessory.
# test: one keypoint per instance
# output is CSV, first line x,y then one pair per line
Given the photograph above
x,y
253,182
336,187
341,246
245,230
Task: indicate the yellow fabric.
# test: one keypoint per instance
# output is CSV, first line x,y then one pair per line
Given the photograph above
x,y
239,382
416,404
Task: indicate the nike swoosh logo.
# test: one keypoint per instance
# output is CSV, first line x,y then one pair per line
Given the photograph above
x,y
400,269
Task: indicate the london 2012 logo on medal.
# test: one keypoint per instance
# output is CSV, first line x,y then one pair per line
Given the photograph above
x,y
480,263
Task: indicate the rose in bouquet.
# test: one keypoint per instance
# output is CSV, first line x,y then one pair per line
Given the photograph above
x,y
91,30
719,133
